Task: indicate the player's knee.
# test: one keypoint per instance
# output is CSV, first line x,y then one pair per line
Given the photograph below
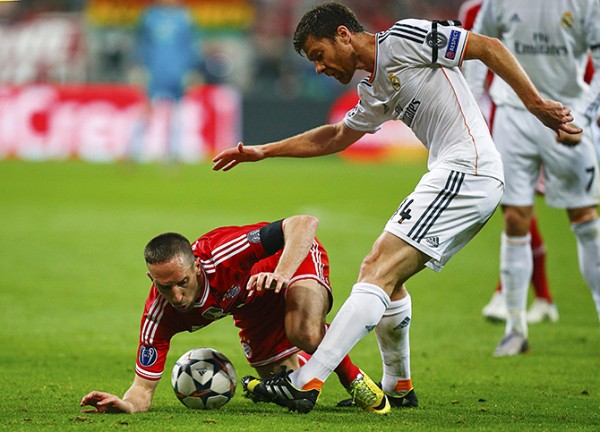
x,y
306,338
369,263
516,221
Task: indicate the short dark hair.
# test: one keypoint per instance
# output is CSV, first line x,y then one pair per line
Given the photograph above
x,y
322,22
164,247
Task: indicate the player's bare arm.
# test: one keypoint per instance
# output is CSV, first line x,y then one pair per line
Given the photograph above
x,y
501,61
299,233
323,140
137,399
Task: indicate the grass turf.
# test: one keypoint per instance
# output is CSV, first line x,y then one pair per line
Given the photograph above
x,y
73,285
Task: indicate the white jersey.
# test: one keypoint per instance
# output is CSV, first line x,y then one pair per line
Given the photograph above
x,y
552,47
429,94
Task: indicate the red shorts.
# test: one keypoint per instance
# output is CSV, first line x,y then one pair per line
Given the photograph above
x,y
262,321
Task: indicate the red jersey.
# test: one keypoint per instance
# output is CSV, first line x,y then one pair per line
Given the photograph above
x,y
228,256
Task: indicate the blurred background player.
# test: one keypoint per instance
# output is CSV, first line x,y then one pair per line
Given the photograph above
x,y
542,307
272,277
168,50
552,41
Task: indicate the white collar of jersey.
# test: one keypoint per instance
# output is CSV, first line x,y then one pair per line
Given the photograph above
x,y
202,297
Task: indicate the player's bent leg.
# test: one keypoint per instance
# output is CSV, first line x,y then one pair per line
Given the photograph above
x,y
391,262
393,340
307,303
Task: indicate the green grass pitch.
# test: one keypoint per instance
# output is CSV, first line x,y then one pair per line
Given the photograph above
x,y
73,286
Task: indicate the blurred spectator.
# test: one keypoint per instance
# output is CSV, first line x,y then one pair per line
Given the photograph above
x,y
170,60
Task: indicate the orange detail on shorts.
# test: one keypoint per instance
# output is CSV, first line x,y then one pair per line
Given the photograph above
x,y
314,383
403,386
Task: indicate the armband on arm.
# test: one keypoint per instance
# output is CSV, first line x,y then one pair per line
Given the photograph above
x,y
271,237
434,36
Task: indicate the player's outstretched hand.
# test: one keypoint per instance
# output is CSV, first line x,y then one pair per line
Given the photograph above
x,y
229,158
104,403
556,116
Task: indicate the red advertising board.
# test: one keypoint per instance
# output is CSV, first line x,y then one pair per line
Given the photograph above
x,y
98,122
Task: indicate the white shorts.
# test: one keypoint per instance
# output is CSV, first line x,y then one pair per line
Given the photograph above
x,y
445,211
570,174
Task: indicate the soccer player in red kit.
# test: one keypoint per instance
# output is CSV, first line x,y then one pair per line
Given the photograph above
x,y
273,278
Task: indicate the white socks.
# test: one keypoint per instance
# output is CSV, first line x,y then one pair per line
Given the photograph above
x,y
393,339
516,267
359,314
588,250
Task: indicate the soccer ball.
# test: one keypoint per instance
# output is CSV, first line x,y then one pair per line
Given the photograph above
x,y
203,378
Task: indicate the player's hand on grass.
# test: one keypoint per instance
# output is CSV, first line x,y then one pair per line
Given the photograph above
x,y
229,158
555,115
570,140
266,281
104,403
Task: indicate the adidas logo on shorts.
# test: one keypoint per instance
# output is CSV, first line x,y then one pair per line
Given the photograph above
x,y
432,241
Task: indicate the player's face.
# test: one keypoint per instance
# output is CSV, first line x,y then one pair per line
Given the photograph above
x,y
334,58
177,281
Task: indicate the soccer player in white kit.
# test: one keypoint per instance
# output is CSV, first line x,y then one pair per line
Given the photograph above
x,y
552,41
415,78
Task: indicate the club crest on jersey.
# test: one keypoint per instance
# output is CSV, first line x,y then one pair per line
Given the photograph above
x,y
452,44
232,292
440,42
247,350
254,236
567,20
394,80
148,355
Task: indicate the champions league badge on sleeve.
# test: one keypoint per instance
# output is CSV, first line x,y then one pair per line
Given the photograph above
x,y
148,356
452,44
254,236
